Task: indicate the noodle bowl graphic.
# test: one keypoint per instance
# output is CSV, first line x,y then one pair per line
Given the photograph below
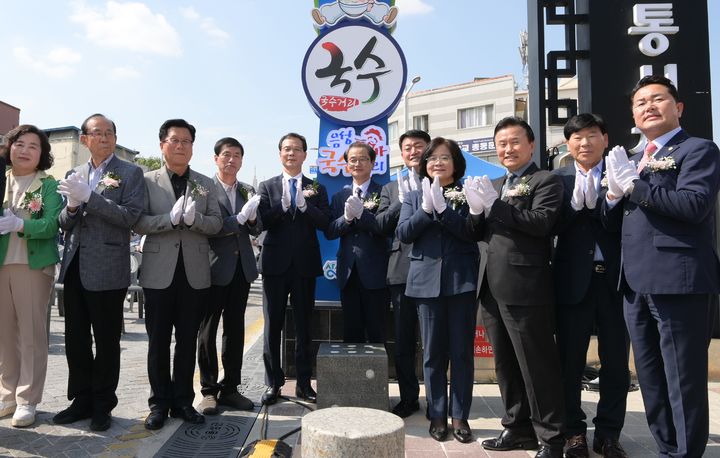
x,y
353,8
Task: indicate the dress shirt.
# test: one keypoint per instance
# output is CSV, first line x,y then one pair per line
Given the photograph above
x,y
95,173
179,182
363,188
663,139
517,174
231,193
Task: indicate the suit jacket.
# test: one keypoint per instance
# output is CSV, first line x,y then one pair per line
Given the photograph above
x,y
291,237
518,233
444,257
578,235
232,243
101,228
668,224
40,229
388,215
163,241
363,246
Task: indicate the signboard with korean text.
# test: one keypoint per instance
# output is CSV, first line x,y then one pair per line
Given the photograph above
x,y
630,39
353,75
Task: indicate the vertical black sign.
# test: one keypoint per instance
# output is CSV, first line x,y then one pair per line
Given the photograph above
x,y
674,38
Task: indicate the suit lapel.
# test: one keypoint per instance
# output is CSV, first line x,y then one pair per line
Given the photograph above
x,y
223,197
163,180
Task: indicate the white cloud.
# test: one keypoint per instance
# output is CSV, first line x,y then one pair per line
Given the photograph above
x,y
57,63
132,26
408,7
124,73
207,24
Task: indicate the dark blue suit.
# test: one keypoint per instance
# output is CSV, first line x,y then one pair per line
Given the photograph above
x,y
587,297
289,263
442,278
404,307
669,270
361,268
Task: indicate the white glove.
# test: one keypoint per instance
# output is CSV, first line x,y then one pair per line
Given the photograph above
x,y
413,180
614,188
176,212
427,203
353,208
300,197
285,198
189,213
591,192
488,193
471,189
403,186
10,223
249,210
438,199
577,202
74,189
625,172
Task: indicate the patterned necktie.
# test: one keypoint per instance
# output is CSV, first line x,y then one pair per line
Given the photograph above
x,y
293,192
591,194
650,148
509,184
358,192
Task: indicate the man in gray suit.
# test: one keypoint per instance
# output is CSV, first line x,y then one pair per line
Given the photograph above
x,y
232,270
181,211
104,199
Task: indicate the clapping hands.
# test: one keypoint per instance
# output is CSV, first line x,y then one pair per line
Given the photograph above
x,y
249,210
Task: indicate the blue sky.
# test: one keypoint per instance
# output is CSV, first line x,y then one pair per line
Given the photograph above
x,y
231,68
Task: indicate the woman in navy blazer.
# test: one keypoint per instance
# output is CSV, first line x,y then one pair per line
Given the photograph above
x,y
442,278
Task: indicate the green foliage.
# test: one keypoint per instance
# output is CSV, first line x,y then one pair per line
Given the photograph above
x,y
152,162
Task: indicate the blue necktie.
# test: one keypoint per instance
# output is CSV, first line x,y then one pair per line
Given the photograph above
x,y
292,182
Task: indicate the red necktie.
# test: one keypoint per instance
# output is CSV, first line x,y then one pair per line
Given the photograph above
x,y
650,148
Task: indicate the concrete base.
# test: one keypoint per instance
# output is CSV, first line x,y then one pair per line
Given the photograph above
x,y
352,432
352,375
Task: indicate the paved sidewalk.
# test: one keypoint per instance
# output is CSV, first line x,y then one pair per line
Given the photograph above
x,y
127,437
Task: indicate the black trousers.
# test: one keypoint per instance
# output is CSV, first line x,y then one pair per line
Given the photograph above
x,y
527,366
301,290
601,308
178,306
228,301
405,316
363,311
98,315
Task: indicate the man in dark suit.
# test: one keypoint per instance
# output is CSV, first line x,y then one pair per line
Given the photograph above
x,y
412,146
516,293
670,268
586,267
104,200
292,208
362,255
232,270
181,212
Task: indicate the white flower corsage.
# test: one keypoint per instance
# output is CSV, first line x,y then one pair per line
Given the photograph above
x,y
456,197
604,180
110,180
196,189
659,165
372,201
246,193
521,189
32,202
311,189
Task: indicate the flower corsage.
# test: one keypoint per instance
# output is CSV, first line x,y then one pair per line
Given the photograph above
x,y
372,202
196,189
311,189
521,189
110,180
456,197
660,165
32,202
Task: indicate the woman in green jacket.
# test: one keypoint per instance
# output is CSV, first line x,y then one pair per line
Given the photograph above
x,y
28,254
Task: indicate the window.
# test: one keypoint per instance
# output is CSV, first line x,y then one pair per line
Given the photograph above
x,y
392,132
421,123
475,117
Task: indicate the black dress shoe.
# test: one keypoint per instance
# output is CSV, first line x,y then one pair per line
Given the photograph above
x,y
547,452
270,395
156,419
306,392
609,448
75,412
404,409
188,414
512,440
100,421
438,429
461,431
577,447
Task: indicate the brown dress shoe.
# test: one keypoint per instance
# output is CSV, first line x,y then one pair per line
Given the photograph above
x,y
577,447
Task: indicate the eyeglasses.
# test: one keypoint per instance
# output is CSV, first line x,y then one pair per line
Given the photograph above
x,y
177,141
98,134
358,160
441,159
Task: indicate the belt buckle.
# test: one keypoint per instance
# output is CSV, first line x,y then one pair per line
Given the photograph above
x,y
599,268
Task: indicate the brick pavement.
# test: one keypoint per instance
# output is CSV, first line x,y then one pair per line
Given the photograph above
x,y
127,436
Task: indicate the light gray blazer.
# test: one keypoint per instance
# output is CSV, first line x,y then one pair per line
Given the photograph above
x,y
163,241
101,228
